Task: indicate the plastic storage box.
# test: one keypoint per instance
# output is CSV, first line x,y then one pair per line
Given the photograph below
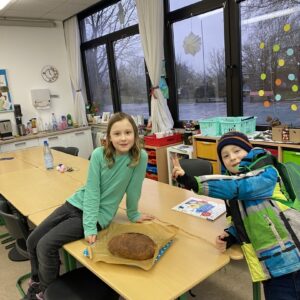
x,y
220,125
151,140
242,124
211,126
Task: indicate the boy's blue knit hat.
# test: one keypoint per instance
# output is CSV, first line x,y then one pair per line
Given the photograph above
x,y
233,138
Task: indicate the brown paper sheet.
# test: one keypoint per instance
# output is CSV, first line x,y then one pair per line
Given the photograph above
x,y
160,234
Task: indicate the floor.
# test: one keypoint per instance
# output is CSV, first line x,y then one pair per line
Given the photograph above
x,y
232,282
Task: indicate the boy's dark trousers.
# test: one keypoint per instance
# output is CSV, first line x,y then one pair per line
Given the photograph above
x,y
64,225
286,287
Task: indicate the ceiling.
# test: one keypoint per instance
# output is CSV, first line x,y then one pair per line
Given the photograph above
x,y
56,10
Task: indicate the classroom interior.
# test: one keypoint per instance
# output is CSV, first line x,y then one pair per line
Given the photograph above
x,y
187,73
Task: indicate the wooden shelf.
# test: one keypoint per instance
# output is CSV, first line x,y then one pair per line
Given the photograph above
x,y
277,146
160,155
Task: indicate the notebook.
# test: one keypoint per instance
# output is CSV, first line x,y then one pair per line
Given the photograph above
x,y
201,208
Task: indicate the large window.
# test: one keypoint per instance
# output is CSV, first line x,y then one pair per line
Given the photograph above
x,y
98,78
113,59
200,66
131,76
271,60
108,20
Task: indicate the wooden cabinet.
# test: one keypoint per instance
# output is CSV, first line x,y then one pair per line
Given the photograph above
x,y
19,145
206,147
157,168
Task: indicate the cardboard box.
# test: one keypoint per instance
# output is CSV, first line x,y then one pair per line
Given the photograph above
x,y
280,133
294,135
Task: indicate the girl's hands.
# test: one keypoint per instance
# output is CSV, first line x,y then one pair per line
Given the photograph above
x,y
177,170
144,217
221,242
91,239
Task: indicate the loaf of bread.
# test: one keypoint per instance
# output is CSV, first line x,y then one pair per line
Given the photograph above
x,y
132,245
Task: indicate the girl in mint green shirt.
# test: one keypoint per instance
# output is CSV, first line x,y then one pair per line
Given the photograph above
x,y
115,170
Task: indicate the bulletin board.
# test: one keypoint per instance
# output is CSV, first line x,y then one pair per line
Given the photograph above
x,y
5,99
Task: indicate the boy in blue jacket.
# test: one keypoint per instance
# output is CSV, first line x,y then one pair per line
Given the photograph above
x,y
254,214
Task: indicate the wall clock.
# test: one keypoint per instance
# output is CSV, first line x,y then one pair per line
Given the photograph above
x,y
49,73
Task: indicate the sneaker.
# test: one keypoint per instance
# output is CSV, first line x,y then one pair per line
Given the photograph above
x,y
40,296
34,288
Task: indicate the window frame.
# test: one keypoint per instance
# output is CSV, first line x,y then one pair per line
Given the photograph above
x,y
232,51
108,41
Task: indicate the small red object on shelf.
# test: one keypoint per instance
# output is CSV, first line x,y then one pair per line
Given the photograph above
x,y
151,140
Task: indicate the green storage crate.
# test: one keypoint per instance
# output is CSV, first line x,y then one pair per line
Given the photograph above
x,y
219,125
244,124
292,156
210,126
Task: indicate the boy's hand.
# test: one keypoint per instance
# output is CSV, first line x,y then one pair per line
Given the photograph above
x,y
177,170
91,239
221,241
144,217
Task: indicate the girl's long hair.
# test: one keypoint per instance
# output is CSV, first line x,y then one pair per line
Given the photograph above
x,y
109,149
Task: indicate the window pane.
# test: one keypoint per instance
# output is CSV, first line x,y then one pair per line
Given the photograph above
x,y
110,19
98,78
271,61
175,4
131,76
201,87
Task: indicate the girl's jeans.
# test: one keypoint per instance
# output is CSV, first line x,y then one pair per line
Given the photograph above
x,y
285,287
64,225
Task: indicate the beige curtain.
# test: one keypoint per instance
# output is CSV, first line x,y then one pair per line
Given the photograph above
x,y
72,39
151,27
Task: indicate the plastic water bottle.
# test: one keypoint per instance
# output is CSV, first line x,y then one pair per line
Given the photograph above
x,y
48,158
54,122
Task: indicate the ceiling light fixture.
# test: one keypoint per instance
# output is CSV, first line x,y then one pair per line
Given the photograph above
x,y
3,3
8,21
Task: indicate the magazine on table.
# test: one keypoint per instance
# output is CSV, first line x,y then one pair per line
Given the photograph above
x,y
201,208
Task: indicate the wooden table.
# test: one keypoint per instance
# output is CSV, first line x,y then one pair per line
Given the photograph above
x,y
8,163
34,156
32,190
186,263
159,198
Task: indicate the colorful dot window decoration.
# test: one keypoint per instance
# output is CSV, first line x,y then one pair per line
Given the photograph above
x,y
281,62
285,82
291,77
267,103
287,27
277,97
263,76
290,52
276,48
294,107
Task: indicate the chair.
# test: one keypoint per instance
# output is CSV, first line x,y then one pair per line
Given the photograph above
x,y
196,166
79,284
69,150
18,229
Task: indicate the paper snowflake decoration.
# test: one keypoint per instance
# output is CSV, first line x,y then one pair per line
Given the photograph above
x,y
192,44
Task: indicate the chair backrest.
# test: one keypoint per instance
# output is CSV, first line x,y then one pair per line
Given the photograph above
x,y
13,223
69,150
196,166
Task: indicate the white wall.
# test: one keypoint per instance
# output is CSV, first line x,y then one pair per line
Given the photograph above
x,y
23,53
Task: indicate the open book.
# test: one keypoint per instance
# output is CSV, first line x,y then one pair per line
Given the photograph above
x,y
201,208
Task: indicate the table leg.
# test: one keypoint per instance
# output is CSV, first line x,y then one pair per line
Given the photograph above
x,y
256,290
183,297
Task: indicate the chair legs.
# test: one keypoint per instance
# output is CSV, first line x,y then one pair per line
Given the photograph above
x,y
19,284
